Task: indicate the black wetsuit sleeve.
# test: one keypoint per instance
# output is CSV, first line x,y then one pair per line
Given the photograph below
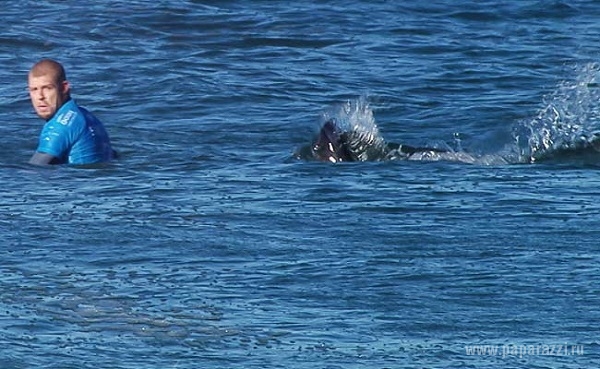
x,y
41,158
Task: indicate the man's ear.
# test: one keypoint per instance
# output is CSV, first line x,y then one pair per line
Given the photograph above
x,y
66,87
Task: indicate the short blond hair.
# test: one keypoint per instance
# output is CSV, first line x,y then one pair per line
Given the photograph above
x,y
49,66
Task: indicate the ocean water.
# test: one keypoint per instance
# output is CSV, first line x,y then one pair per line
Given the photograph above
x,y
211,243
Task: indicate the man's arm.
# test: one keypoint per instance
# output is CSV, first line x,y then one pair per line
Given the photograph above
x,y
41,158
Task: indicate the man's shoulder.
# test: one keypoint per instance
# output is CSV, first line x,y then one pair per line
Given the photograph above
x,y
68,114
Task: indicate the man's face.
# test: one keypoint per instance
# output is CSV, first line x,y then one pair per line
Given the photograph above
x,y
47,95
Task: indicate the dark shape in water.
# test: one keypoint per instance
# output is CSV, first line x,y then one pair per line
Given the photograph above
x,y
331,145
334,145
586,150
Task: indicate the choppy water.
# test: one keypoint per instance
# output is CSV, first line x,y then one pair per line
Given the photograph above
x,y
209,245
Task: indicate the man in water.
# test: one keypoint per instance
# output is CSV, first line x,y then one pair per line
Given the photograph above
x,y
71,135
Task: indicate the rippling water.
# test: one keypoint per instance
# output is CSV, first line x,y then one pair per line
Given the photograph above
x,y
207,244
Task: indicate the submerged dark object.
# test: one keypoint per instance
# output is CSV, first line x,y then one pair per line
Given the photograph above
x,y
335,145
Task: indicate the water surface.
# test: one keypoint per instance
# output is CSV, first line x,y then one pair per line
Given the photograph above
x,y
207,244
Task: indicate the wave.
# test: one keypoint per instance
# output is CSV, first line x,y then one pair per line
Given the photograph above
x,y
565,128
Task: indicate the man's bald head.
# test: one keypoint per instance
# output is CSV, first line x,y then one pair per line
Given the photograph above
x,y
48,87
49,67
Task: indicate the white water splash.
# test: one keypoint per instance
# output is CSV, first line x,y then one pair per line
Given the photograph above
x,y
568,120
356,116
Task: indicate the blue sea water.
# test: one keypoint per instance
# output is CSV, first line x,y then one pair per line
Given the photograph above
x,y
210,244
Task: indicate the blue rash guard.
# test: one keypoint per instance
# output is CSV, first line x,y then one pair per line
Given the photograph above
x,y
75,136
